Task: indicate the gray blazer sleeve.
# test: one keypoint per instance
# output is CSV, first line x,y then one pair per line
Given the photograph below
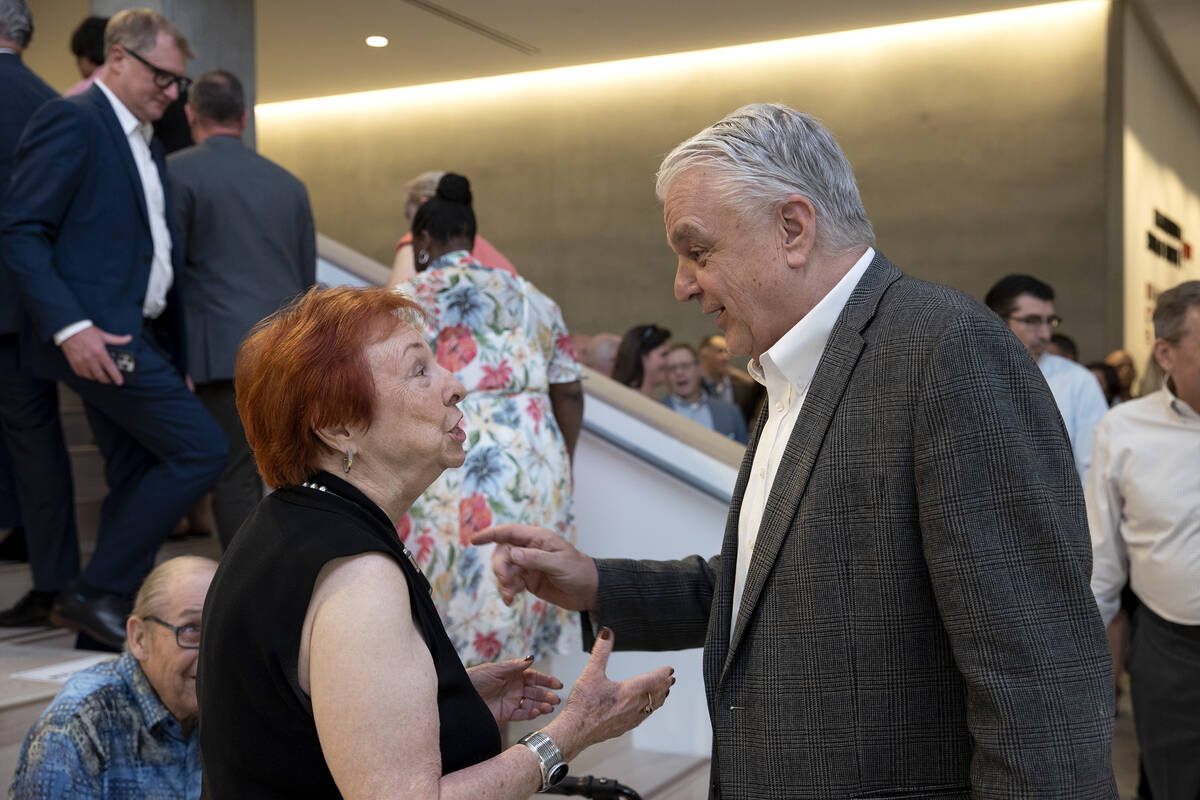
x,y
654,605
1006,543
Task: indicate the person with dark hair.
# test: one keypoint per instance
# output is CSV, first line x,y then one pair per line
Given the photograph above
x,y
685,396
1143,499
40,507
1063,346
1026,305
249,244
325,671
416,192
642,359
1110,384
88,236
87,45
507,343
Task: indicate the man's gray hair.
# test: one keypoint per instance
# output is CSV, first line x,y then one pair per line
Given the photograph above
x,y
16,23
764,152
1170,315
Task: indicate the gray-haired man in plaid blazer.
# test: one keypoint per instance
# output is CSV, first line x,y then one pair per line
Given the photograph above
x,y
901,608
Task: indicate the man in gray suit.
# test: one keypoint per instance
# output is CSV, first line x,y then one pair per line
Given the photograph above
x,y
249,244
901,606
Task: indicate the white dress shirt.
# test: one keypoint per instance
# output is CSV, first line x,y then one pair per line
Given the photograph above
x,y
138,135
786,370
1080,402
1143,504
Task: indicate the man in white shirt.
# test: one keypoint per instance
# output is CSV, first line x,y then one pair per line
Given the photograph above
x,y
1027,305
86,236
1143,500
901,606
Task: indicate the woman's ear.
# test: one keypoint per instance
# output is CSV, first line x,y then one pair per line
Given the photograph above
x,y
799,227
335,437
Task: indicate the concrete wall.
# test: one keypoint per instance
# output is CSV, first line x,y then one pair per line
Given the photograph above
x,y
978,143
1161,173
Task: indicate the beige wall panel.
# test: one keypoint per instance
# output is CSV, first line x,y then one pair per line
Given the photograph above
x,y
978,145
1162,172
49,54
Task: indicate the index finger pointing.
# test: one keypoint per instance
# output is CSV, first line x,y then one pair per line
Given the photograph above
x,y
511,533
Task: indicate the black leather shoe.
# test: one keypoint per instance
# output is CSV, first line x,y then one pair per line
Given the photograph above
x,y
31,610
99,614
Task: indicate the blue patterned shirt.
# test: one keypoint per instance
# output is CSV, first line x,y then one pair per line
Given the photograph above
x,y
107,735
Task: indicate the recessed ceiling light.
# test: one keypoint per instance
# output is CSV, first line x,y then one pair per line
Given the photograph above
x,y
377,41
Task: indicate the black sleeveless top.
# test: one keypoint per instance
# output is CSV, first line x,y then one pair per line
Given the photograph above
x,y
257,735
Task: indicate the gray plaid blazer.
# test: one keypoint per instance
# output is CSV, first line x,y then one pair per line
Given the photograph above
x,y
917,619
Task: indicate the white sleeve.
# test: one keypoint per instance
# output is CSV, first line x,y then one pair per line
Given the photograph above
x,y
1090,408
1110,560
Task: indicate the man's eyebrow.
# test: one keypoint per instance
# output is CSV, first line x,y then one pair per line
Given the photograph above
x,y
685,230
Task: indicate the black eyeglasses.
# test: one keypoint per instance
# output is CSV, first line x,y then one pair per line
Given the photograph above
x,y
164,78
186,636
1034,321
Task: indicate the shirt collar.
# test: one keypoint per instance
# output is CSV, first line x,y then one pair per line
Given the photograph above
x,y
153,711
125,118
9,50
1178,406
794,358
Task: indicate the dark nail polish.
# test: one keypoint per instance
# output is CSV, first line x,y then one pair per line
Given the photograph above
x,y
606,633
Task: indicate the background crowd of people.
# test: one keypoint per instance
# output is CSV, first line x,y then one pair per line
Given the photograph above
x,y
419,437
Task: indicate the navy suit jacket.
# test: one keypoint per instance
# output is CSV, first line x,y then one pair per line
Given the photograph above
x,y
21,94
74,230
727,418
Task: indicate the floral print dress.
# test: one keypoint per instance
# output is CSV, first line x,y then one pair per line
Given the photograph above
x,y
506,342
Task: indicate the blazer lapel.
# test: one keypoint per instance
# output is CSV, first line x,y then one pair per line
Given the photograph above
x,y
796,464
113,126
717,640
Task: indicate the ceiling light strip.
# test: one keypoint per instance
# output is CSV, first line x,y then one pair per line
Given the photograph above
x,y
475,26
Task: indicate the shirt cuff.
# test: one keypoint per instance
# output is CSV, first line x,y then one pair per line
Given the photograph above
x,y
71,330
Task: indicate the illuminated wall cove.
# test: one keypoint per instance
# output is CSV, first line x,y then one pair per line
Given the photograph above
x,y
978,141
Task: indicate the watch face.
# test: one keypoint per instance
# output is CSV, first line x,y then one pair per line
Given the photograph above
x,y
557,773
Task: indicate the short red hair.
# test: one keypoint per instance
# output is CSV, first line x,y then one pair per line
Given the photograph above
x,y
304,368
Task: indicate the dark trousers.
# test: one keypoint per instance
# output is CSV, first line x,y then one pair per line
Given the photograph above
x,y
40,469
1164,671
162,451
239,488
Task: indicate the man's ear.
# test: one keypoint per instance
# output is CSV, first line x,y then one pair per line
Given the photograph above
x,y
136,631
799,221
1163,355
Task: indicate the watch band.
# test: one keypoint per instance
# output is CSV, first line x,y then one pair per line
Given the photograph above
x,y
550,760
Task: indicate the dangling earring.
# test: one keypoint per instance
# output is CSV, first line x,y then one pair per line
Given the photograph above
x,y
422,257
347,461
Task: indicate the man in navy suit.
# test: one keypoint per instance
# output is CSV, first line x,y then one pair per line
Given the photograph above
x,y
87,236
40,483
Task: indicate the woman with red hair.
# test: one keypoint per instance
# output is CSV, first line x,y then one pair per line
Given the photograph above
x,y
324,667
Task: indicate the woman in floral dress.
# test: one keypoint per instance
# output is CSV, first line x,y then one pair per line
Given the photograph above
x,y
506,342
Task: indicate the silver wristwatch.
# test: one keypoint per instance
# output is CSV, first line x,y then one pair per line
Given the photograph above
x,y
554,769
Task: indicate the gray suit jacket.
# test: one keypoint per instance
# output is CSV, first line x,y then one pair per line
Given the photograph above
x,y
917,620
248,245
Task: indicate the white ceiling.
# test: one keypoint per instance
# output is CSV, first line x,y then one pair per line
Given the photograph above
x,y
310,48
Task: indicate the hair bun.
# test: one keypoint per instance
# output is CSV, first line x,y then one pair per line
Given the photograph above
x,y
455,188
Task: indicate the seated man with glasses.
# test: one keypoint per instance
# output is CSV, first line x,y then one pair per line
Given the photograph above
x,y
1027,305
127,728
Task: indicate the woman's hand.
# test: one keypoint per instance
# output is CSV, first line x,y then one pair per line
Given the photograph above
x,y
514,691
600,709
